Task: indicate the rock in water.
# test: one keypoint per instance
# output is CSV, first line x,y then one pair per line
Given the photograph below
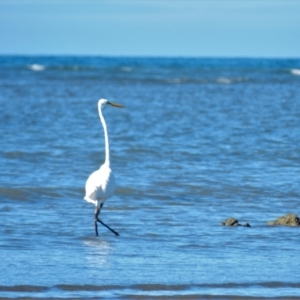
x,y
230,222
233,222
287,220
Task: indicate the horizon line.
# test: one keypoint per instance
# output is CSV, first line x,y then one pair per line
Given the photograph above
x,y
153,56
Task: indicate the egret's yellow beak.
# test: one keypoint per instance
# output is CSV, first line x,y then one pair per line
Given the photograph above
x,y
115,104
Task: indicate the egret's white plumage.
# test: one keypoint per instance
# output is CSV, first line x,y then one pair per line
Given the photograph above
x,y
101,183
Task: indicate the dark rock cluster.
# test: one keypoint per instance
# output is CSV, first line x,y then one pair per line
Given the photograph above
x,y
287,220
234,222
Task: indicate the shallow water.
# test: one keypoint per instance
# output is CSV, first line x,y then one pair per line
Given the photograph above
x,y
200,140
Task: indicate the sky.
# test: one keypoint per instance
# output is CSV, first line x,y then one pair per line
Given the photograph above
x,y
193,28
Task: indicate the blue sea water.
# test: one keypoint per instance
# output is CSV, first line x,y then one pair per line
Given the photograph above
x,y
200,140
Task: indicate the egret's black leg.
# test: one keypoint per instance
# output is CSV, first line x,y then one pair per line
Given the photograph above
x,y
98,210
96,227
96,217
108,227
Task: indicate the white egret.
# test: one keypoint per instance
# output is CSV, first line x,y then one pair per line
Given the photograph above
x,y
101,183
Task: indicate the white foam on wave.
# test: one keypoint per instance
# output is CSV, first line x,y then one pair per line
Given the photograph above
x,y
224,80
36,67
295,72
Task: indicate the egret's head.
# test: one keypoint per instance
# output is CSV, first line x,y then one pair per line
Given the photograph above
x,y
103,102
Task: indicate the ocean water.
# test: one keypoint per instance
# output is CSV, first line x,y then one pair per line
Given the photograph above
x,y
200,140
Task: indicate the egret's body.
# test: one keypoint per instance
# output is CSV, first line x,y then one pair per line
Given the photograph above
x,y
101,183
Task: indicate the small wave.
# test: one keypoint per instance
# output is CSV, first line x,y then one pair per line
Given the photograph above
x,y
149,286
126,69
176,80
224,80
28,194
220,80
36,67
295,72
182,291
24,288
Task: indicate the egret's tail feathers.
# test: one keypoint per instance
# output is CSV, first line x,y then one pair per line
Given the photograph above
x,y
95,202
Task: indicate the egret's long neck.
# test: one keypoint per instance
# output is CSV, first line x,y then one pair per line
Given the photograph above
x,y
107,160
